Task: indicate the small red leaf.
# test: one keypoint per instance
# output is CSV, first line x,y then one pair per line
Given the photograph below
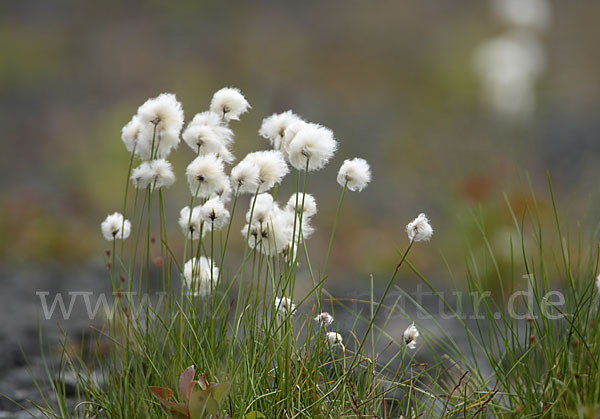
x,y
184,382
163,394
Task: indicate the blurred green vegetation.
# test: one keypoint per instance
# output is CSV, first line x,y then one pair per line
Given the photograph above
x,y
394,81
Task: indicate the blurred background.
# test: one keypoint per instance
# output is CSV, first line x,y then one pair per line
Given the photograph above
x,y
456,105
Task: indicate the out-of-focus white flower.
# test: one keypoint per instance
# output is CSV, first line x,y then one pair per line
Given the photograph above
x,y
296,202
271,167
261,209
214,214
155,173
335,339
191,224
199,277
245,177
313,143
161,119
115,227
410,336
205,139
324,319
273,127
130,133
142,175
284,306
229,103
355,174
205,175
598,282
509,67
419,229
535,14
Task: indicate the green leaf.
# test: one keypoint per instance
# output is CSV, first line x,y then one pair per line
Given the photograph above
x,y
202,402
255,414
219,391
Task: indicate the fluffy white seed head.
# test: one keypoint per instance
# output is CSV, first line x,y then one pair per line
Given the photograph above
x,y
161,121
130,133
223,190
296,201
155,174
271,237
211,119
273,127
410,336
162,173
419,229
115,227
200,276
271,167
324,319
214,214
245,177
205,139
205,175
190,222
229,103
313,143
355,174
142,175
290,133
284,306
261,209
335,339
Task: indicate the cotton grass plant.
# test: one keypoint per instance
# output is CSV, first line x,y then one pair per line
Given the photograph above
x,y
233,337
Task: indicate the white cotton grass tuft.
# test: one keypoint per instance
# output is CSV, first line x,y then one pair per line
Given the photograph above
x,y
130,133
271,237
284,306
115,226
324,319
290,134
271,167
205,175
156,174
142,175
161,120
410,336
206,134
296,202
335,339
214,214
204,139
229,103
223,191
313,144
273,128
200,276
419,229
261,209
162,173
245,177
190,222
355,174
